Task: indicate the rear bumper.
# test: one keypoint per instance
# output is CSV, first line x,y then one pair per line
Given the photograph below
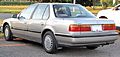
x,y
82,41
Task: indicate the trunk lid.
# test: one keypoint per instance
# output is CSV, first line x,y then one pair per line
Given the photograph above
x,y
90,21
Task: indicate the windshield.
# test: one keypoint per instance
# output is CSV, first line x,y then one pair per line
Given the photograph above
x,y
71,11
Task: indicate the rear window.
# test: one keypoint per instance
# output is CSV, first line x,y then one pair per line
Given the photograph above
x,y
71,11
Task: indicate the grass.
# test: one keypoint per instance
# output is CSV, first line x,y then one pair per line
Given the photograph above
x,y
1,34
11,9
96,10
1,20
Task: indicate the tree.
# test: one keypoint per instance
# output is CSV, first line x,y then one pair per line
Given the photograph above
x,y
93,4
115,2
39,0
74,1
104,3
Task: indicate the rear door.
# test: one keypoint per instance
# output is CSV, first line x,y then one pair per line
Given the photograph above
x,y
39,18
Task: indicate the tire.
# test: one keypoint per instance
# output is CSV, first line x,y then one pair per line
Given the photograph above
x,y
103,17
118,31
91,47
7,33
49,43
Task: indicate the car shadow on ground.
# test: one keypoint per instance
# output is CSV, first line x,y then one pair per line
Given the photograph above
x,y
20,40
68,51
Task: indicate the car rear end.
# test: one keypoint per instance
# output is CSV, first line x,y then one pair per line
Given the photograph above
x,y
89,32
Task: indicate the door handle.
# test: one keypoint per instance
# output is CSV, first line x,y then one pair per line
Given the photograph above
x,y
25,23
42,24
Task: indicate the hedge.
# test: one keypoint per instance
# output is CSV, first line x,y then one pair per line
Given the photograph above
x,y
16,3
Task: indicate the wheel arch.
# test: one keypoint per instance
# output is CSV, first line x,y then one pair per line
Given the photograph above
x,y
6,23
103,17
45,30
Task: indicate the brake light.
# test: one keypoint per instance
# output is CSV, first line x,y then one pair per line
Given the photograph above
x,y
85,27
108,27
79,28
74,28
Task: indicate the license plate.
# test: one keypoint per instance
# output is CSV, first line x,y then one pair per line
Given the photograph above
x,y
96,28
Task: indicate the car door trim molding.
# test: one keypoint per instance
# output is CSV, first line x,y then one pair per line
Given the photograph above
x,y
26,30
19,29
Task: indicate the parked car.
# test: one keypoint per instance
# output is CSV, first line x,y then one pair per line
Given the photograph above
x,y
57,25
111,14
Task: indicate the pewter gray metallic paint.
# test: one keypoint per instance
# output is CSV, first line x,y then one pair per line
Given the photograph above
x,y
61,26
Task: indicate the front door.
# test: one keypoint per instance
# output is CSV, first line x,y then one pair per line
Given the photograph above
x,y
19,24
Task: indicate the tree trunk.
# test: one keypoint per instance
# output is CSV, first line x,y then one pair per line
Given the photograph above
x,y
39,1
115,2
93,4
74,1
60,1
50,0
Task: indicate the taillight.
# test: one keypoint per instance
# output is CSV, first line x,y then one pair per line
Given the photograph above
x,y
108,27
85,27
79,28
74,28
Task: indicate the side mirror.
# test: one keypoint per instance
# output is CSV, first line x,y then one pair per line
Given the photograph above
x,y
14,16
21,17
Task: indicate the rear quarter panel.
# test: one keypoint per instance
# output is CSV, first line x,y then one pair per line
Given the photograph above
x,y
59,26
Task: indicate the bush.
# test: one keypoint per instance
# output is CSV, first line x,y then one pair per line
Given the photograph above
x,y
105,5
16,3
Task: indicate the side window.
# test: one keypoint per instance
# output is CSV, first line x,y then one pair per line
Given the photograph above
x,y
26,13
39,11
47,13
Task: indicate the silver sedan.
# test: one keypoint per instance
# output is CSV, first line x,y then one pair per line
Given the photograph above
x,y
57,25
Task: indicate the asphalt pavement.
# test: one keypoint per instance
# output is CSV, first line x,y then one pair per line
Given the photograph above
x,y
24,48
5,15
